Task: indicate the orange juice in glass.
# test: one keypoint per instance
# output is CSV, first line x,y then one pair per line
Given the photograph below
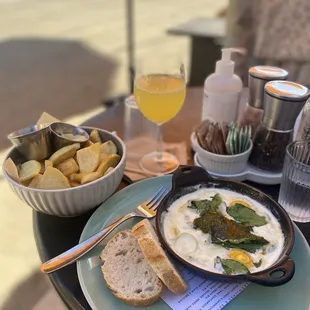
x,y
160,97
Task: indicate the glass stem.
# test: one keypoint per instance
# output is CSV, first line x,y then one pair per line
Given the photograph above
x,y
159,144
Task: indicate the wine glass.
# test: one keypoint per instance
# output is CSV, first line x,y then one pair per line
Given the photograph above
x,y
160,96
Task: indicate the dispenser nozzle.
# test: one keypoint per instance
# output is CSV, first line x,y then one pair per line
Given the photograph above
x,y
226,52
225,65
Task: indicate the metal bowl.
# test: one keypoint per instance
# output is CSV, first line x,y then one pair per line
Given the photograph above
x,y
58,130
33,142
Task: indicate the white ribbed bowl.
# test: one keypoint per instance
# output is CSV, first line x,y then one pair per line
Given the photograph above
x,y
77,200
221,164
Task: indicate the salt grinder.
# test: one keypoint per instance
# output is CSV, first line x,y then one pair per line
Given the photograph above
x,y
258,77
282,104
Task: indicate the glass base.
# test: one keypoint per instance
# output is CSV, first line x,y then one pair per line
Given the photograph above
x,y
159,163
298,219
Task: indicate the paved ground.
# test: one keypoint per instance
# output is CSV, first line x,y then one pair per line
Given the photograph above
x,y
65,57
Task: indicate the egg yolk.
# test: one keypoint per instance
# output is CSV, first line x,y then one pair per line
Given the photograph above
x,y
245,204
241,257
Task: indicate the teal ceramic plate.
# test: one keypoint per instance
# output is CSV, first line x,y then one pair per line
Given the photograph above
x,y
294,295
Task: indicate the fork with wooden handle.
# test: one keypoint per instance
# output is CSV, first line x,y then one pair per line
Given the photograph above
x,y
146,209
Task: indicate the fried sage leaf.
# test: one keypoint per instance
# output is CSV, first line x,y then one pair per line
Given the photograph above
x,y
233,267
222,227
207,205
228,233
249,247
245,215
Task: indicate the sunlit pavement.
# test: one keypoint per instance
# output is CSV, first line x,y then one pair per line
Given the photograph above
x,y
101,25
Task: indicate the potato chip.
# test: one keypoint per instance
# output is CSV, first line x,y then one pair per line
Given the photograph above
x,y
68,167
111,161
53,179
29,170
47,118
108,148
11,169
88,158
103,157
94,136
42,167
64,153
27,182
88,143
35,181
45,164
89,177
109,170
48,163
77,177
74,184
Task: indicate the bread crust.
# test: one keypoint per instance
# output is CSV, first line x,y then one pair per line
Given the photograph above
x,y
141,302
157,257
134,301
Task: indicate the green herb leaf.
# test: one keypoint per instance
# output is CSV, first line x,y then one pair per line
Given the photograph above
x,y
228,233
245,215
249,247
233,267
207,205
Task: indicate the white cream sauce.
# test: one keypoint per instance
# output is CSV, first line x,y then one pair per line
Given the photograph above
x,y
179,220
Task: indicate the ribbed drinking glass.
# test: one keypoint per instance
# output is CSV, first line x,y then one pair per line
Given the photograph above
x,y
295,186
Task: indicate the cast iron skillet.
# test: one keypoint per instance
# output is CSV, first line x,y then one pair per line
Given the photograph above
x,y
188,179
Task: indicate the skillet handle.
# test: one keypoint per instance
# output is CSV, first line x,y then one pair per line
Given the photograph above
x,y
186,176
286,267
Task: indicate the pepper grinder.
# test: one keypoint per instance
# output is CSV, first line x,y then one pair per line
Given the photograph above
x,y
258,77
283,103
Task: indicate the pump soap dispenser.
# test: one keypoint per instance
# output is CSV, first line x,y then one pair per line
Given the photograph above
x,y
222,90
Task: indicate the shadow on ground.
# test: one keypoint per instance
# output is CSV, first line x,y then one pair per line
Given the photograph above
x,y
27,293
62,77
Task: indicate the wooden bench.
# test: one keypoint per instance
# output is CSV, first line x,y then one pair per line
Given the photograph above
x,y
207,38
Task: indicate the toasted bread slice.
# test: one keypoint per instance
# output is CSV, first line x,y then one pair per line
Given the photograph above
x,y
157,257
127,272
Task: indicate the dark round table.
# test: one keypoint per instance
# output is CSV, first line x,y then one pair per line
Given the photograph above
x,y
54,235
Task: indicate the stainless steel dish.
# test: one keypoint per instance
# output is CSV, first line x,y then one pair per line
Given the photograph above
x,y
33,142
59,129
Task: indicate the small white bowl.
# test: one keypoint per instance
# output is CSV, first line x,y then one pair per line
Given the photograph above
x,y
76,200
222,164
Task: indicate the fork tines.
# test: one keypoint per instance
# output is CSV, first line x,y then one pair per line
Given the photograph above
x,y
153,202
